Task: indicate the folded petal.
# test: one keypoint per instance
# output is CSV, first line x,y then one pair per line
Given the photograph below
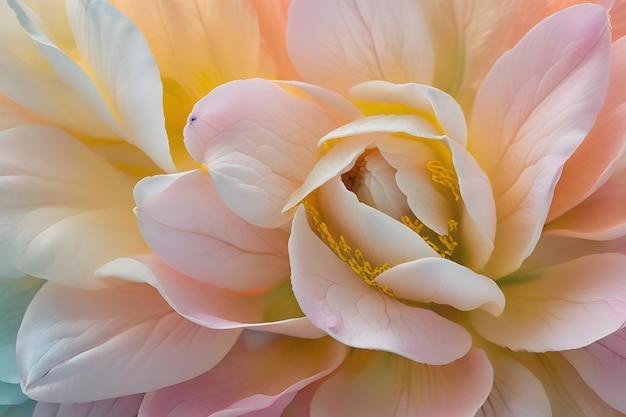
x,y
566,306
80,346
186,224
258,142
66,211
340,45
15,295
381,384
441,281
602,365
339,302
118,407
257,378
532,111
590,166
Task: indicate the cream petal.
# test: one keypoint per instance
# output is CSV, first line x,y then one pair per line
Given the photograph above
x,y
562,307
532,111
339,302
381,384
80,346
339,45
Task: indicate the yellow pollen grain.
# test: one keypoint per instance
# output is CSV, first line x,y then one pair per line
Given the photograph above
x,y
353,257
444,176
445,245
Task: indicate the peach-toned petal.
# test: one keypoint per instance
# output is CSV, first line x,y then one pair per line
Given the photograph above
x,y
339,302
259,143
381,384
603,367
341,44
588,167
569,395
516,392
66,211
188,226
566,306
79,345
118,407
532,111
441,281
258,377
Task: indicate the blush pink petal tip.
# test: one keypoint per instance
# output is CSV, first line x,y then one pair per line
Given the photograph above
x,y
531,112
562,307
185,223
337,301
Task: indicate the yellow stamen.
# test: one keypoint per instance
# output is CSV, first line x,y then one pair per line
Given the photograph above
x,y
447,244
444,176
353,257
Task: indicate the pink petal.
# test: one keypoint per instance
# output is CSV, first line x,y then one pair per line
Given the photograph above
x,y
337,301
587,169
516,392
600,216
80,346
381,384
118,407
532,111
262,373
340,45
566,306
66,211
441,281
186,224
603,367
214,307
569,395
259,142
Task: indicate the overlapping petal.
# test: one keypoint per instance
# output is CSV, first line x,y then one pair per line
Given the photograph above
x,y
118,407
80,346
531,113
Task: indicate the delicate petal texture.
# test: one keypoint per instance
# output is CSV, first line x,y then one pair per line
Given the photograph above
x,y
381,384
600,149
566,306
80,346
524,126
188,226
441,281
118,68
258,374
15,294
12,114
603,367
516,392
61,202
21,410
336,300
569,395
213,307
600,216
341,44
116,407
258,142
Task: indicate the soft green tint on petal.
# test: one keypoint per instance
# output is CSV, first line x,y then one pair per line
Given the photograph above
x,y
22,410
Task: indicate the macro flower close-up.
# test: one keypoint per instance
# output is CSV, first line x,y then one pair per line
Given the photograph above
x,y
306,208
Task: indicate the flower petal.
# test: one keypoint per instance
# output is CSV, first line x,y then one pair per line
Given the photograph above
x,y
61,202
262,373
21,410
381,384
441,281
566,306
11,394
15,295
118,407
259,143
340,45
603,367
80,346
590,166
336,300
532,111
187,225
